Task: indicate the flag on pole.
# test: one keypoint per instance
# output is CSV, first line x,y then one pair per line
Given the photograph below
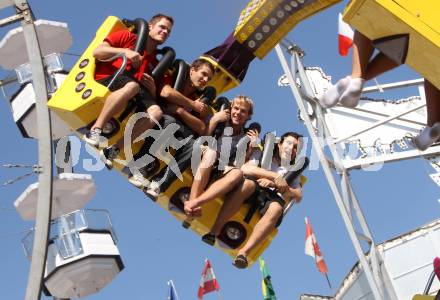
x,y
313,250
266,283
436,264
208,282
345,36
172,294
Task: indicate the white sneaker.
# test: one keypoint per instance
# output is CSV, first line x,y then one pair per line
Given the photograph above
x,y
93,137
153,190
352,95
435,131
109,154
427,137
334,93
139,181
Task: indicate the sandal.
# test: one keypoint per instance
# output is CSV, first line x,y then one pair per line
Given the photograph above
x,y
240,262
209,238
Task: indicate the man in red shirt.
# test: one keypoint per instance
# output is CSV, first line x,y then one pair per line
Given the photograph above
x,y
189,112
138,69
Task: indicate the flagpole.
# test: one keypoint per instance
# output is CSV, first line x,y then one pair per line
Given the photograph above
x,y
219,296
328,281
174,289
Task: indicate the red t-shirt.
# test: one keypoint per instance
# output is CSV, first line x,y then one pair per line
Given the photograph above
x,y
124,39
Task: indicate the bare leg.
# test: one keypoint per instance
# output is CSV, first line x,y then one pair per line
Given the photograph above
x,y
116,102
263,228
347,90
432,103
201,177
143,124
362,51
232,204
219,188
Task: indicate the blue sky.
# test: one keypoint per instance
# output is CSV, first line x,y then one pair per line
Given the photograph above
x,y
153,245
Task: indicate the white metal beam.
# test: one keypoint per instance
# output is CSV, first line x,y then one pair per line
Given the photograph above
x,y
370,266
6,3
319,148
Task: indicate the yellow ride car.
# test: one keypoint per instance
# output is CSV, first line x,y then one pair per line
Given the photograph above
x,y
407,31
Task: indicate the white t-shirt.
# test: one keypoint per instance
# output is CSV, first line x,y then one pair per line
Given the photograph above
x,y
274,167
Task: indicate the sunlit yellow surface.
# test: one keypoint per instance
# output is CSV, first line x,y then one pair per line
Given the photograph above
x,y
423,297
420,19
264,23
68,103
222,80
210,211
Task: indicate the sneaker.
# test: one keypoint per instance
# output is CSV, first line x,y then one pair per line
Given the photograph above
x,y
435,131
108,155
427,137
352,94
153,190
209,238
334,93
138,180
240,262
93,137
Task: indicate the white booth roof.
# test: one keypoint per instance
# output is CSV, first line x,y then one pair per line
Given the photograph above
x,y
52,36
70,192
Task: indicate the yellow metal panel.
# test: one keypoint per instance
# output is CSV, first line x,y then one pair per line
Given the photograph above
x,y
67,102
211,209
423,297
382,18
251,17
279,17
222,80
426,11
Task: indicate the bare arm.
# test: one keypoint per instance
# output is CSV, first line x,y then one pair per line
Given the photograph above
x,y
175,97
258,172
196,124
104,52
279,182
295,193
253,136
217,118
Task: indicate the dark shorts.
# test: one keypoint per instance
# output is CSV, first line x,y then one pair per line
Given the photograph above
x,y
217,174
272,197
144,96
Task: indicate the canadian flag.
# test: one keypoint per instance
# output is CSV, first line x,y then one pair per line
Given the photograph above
x,y
313,250
345,36
208,282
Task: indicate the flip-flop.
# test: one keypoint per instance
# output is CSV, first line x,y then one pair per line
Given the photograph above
x,y
209,238
240,262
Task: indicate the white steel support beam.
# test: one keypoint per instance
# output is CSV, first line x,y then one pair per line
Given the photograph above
x,y
39,252
376,282
377,124
6,3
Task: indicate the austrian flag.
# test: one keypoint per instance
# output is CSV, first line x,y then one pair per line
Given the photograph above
x,y
208,282
345,37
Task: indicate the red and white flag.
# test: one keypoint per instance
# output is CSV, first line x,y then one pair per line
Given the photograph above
x,y
345,36
313,250
208,282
